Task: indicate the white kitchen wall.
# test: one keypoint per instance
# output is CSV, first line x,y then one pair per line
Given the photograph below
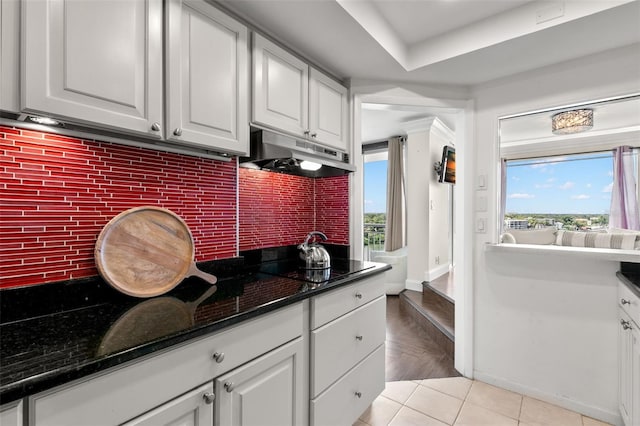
x,y
545,324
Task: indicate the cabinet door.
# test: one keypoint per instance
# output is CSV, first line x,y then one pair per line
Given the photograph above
x,y
634,374
194,408
9,55
11,414
208,78
96,61
328,115
280,88
266,391
625,372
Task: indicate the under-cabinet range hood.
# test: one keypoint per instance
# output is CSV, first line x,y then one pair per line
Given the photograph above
x,y
284,154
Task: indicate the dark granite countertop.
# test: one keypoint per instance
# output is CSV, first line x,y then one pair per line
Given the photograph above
x,y
629,275
55,333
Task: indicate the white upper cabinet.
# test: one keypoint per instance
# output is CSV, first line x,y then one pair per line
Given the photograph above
x,y
280,87
328,110
291,96
98,62
207,77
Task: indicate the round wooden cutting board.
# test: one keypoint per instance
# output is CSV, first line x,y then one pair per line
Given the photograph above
x,y
146,251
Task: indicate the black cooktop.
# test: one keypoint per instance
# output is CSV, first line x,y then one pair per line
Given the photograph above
x,y
294,269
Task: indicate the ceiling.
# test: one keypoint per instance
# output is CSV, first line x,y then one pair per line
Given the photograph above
x,y
452,42
459,43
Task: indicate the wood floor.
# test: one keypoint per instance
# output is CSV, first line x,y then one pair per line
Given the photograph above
x,y
411,353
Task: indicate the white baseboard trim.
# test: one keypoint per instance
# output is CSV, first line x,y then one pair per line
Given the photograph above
x,y
601,414
413,285
436,272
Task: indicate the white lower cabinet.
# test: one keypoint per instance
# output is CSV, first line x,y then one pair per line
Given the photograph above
x,y
191,409
629,357
264,392
11,414
344,401
347,367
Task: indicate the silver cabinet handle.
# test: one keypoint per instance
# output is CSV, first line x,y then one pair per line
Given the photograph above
x,y
228,386
313,135
625,325
209,397
625,302
306,132
177,131
358,394
155,127
358,295
218,357
359,338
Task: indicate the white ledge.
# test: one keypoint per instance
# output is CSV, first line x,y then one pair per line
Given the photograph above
x,y
583,252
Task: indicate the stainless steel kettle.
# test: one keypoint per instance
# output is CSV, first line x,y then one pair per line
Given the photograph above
x,y
314,255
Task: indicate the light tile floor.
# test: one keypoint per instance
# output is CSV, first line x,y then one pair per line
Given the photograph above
x,y
459,401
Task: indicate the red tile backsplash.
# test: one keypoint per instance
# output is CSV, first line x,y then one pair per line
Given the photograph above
x,y
278,209
58,192
332,208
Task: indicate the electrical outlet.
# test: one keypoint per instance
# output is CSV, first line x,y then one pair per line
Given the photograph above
x,y
437,260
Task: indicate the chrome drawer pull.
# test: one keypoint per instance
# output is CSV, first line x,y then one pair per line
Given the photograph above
x,y
228,386
218,357
209,397
358,295
625,302
625,325
359,395
359,338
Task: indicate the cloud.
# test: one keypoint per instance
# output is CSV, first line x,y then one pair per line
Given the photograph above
x,y
610,173
516,178
548,183
521,196
580,197
567,185
540,164
588,185
608,188
368,202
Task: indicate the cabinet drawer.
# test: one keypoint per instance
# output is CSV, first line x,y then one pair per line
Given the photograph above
x,y
331,305
347,399
341,344
629,302
124,393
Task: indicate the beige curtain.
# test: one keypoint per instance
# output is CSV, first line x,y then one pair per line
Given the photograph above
x,y
393,234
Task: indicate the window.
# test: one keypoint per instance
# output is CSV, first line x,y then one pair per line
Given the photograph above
x,y
571,192
375,202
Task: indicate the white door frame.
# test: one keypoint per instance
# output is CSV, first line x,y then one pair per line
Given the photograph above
x,y
463,240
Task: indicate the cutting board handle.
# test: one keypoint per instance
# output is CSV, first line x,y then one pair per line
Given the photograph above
x,y
194,271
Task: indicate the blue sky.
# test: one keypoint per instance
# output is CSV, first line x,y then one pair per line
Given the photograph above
x,y
554,185
375,187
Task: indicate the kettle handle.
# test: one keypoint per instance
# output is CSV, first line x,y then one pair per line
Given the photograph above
x,y
311,234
